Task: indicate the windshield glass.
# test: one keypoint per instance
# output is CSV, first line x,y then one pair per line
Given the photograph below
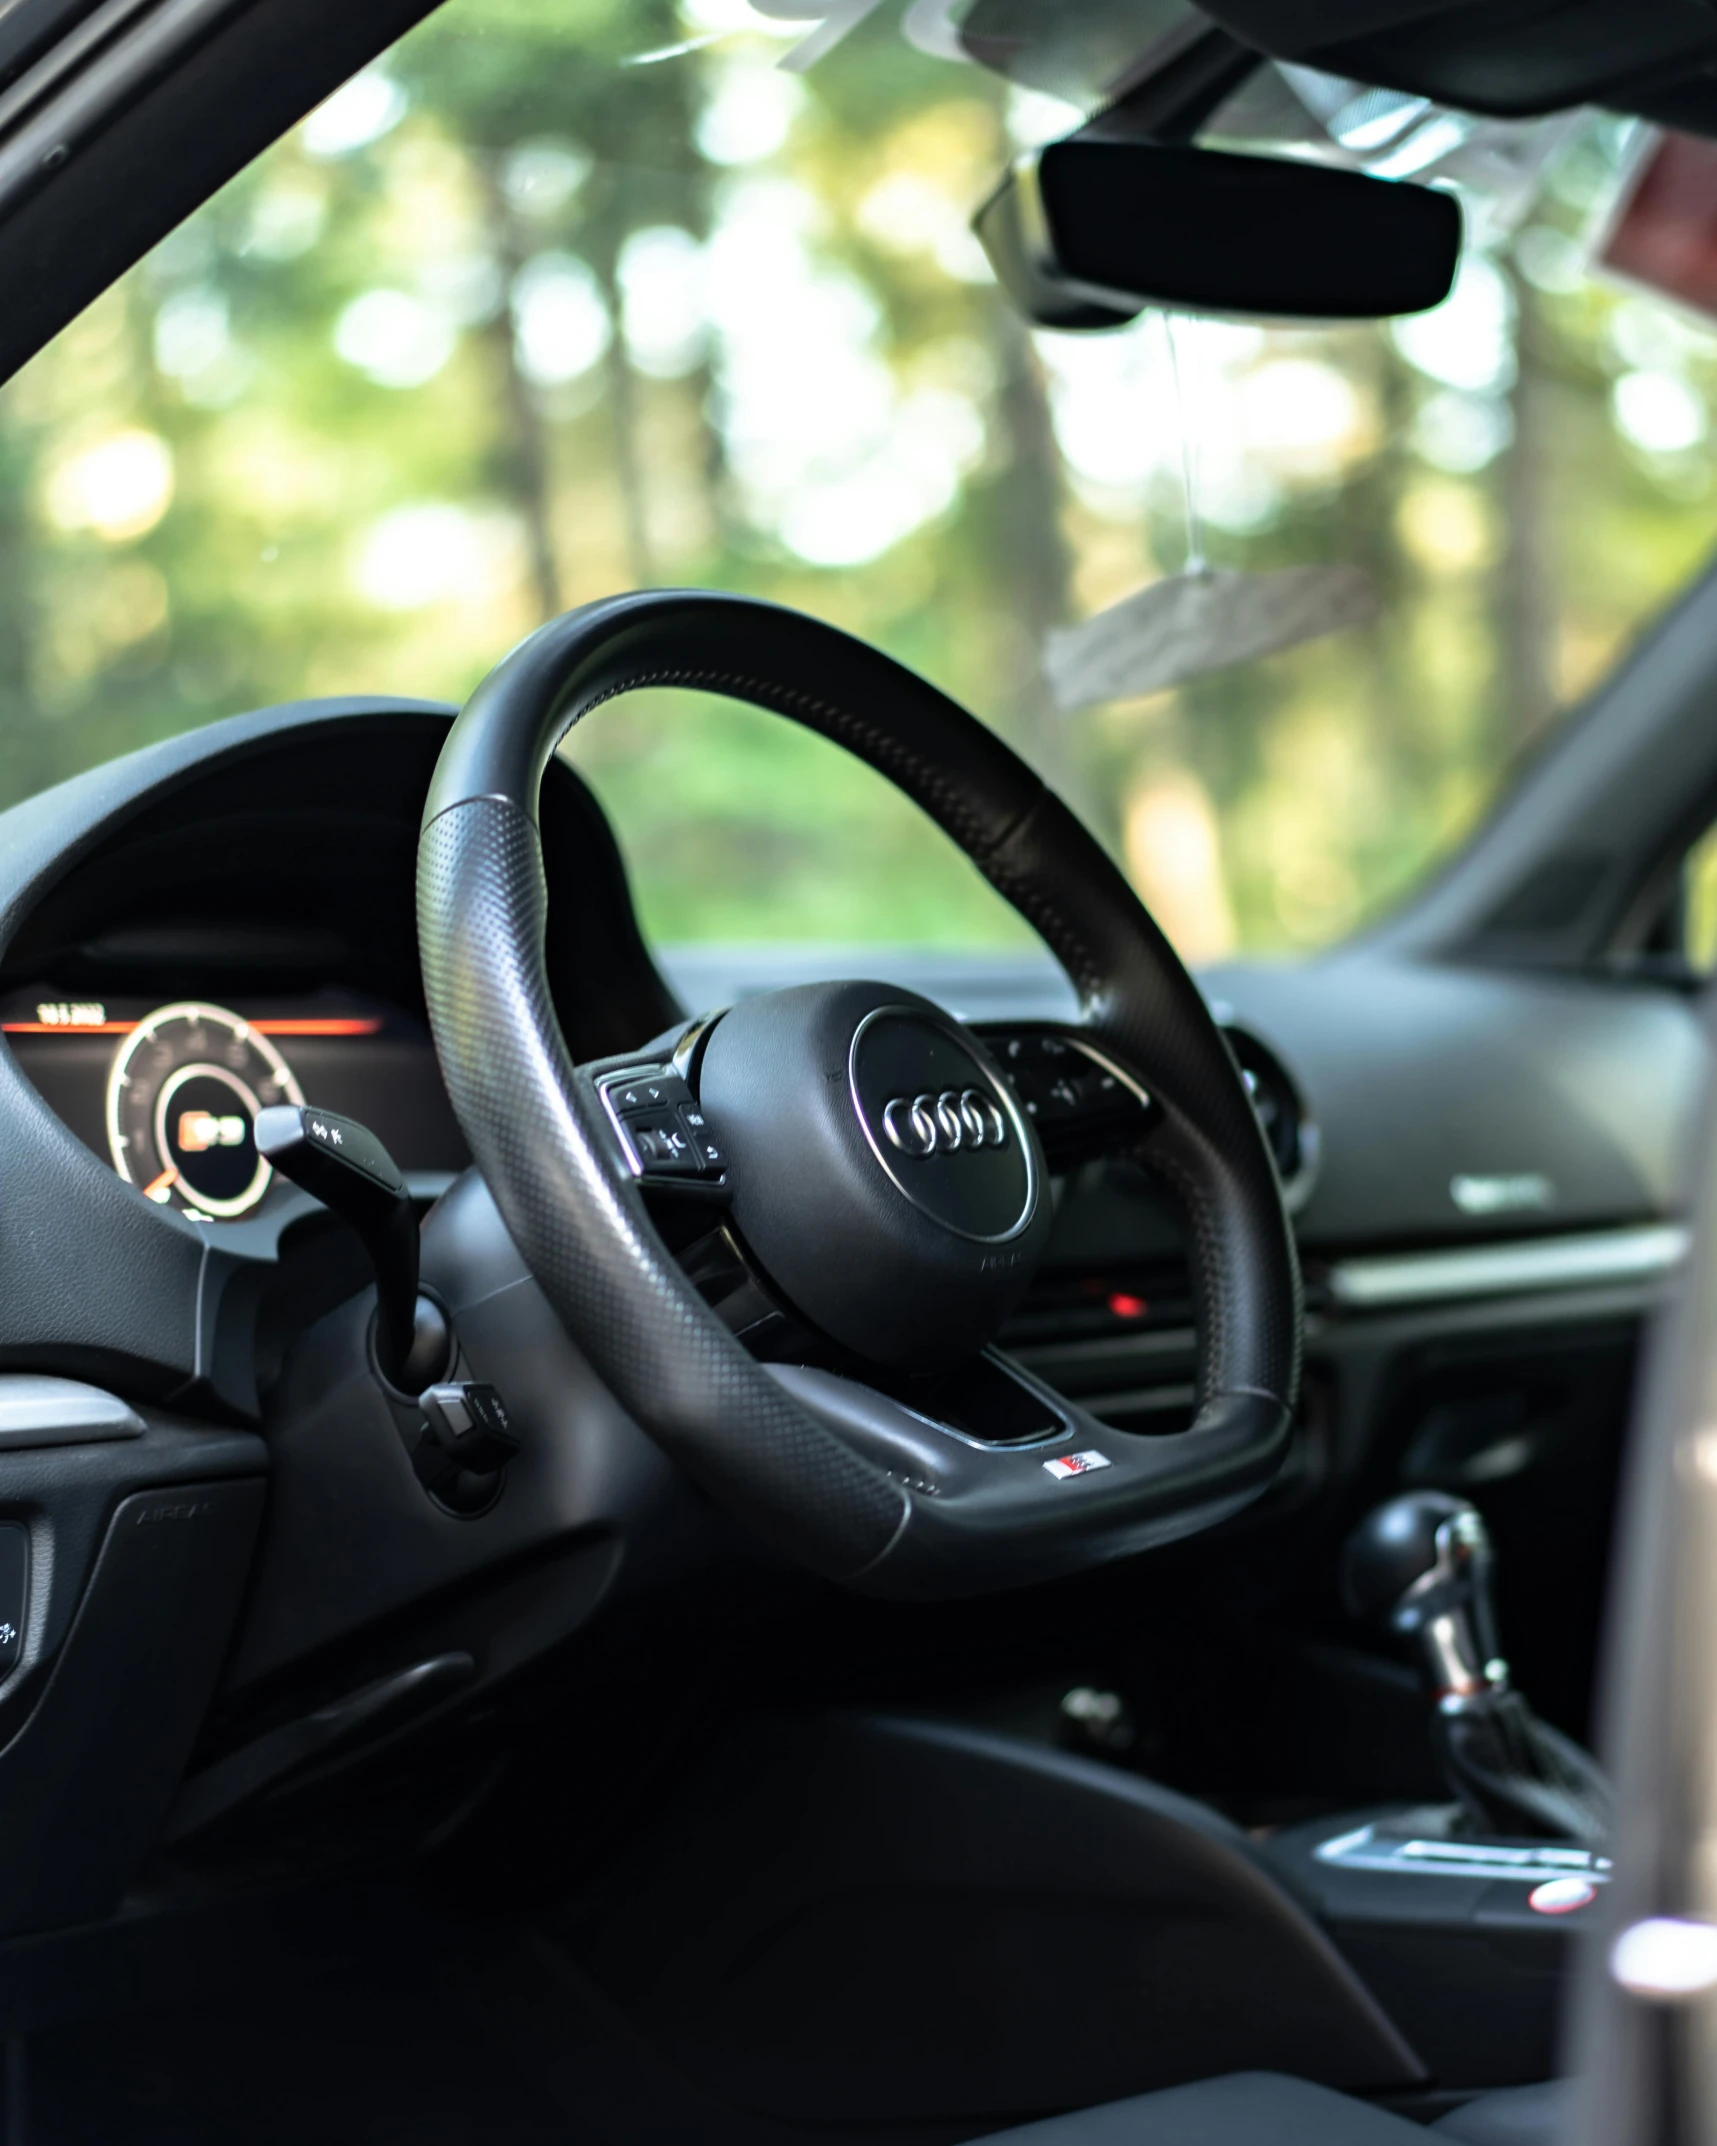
x,y
569,296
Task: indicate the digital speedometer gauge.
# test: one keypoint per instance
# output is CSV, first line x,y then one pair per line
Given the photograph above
x,y
182,1100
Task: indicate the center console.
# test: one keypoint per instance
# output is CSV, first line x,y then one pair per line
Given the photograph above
x,y
1465,1941
1459,1917
1079,1932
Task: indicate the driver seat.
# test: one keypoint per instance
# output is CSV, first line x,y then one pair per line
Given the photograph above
x,y
1269,2109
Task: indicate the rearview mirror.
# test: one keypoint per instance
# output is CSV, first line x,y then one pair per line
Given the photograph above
x,y
1087,233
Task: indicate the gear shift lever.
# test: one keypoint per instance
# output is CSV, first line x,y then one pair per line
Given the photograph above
x,y
1422,1566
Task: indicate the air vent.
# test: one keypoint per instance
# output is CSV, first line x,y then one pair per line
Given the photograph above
x,y
1281,1111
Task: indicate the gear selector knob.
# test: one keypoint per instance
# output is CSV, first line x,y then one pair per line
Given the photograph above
x,y
1422,1565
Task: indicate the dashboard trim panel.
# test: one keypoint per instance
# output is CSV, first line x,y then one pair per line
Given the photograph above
x,y
1386,1281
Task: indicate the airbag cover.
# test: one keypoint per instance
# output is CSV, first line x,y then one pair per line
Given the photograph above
x,y
885,1178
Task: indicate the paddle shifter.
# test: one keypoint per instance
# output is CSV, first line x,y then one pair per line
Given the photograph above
x,y
1422,1567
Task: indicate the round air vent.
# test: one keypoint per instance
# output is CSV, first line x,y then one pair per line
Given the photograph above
x,y
1282,1112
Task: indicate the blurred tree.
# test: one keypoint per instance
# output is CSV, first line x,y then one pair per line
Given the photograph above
x,y
513,322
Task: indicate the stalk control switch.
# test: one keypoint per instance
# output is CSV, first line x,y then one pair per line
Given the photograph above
x,y
346,1167
470,1425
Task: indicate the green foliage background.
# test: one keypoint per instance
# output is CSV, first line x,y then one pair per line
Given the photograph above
x,y
1328,779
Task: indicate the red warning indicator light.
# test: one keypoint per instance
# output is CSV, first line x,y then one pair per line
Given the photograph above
x,y
1127,1307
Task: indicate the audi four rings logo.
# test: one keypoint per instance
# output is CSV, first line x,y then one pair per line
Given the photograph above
x,y
921,1125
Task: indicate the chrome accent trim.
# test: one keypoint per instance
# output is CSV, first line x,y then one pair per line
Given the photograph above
x,y
973,1045
1508,1193
60,61
913,1135
1448,1632
634,1161
1100,1057
1067,1032
924,1125
1588,1260
975,1120
39,1411
690,1046
1368,1848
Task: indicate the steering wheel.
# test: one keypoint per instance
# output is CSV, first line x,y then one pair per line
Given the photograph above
x,y
874,1176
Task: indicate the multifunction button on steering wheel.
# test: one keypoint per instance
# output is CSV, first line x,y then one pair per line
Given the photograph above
x,y
882,1172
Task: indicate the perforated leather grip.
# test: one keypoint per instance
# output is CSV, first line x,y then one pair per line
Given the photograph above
x,y
532,1119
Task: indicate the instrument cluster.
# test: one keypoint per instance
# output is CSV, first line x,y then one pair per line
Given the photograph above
x,y
168,1093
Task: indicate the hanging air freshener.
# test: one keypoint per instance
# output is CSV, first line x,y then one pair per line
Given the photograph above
x,y
1204,618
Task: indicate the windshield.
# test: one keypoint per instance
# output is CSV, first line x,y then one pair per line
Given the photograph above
x,y
569,296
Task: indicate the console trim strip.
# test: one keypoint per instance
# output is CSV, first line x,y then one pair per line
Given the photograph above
x,y
1590,1259
1367,1847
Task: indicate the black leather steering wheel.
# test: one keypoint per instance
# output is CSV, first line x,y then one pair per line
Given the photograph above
x,y
874,1172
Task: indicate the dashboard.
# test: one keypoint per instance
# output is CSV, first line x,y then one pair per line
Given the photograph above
x,y
230,916
1485,1172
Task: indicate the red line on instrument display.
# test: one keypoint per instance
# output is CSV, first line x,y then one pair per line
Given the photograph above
x,y
322,1025
68,1028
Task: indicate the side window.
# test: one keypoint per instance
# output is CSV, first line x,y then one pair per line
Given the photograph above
x,y
740,829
